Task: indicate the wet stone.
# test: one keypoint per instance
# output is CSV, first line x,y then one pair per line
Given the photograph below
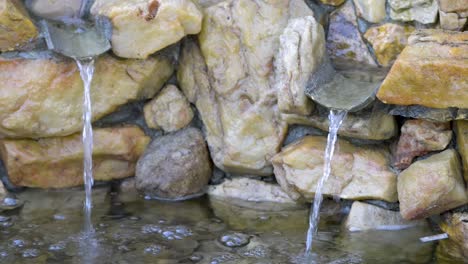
x,y
31,253
234,239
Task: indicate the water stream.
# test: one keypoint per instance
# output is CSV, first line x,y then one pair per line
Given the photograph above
x,y
336,118
86,67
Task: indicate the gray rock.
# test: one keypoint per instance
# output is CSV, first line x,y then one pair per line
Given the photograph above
x,y
175,166
423,11
427,113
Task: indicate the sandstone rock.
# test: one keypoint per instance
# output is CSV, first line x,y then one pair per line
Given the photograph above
x,y
431,71
175,166
431,186
423,11
16,27
249,190
141,28
451,21
461,130
388,41
344,42
419,137
55,9
234,92
364,217
357,172
371,10
169,110
301,51
43,97
456,226
58,162
457,6
372,124
333,2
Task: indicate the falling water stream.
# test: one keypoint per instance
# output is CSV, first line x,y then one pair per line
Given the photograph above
x,y
86,67
336,118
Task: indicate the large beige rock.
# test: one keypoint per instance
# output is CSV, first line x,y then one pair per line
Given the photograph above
x,y
234,92
457,6
55,9
43,97
142,27
357,172
431,71
419,137
363,216
431,186
58,162
461,130
451,21
371,10
16,27
169,110
301,52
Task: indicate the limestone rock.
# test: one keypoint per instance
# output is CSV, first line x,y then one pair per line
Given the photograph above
x,y
16,27
43,97
55,9
169,110
461,130
234,92
141,28
456,226
419,137
423,11
457,6
357,172
431,186
451,21
249,190
344,42
364,217
431,71
58,162
301,51
371,10
388,41
332,2
372,124
175,166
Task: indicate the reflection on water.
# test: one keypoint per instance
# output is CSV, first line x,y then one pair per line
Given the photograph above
x,y
129,229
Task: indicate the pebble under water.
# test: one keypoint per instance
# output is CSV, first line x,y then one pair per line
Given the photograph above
x,y
130,229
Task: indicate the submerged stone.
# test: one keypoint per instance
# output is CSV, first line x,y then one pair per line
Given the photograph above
x,y
43,97
174,166
169,110
357,173
456,226
431,186
58,162
431,71
461,130
141,28
16,27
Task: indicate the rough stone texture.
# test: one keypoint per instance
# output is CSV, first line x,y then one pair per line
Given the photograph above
x,y
333,2
357,172
388,41
364,217
371,10
431,71
344,42
55,9
142,27
43,97
461,131
451,21
174,166
456,226
169,110
419,137
372,124
301,51
423,11
458,6
3,191
234,91
16,27
58,162
431,114
431,186
249,190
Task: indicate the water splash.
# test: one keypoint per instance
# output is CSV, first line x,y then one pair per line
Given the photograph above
x,y
336,118
86,67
